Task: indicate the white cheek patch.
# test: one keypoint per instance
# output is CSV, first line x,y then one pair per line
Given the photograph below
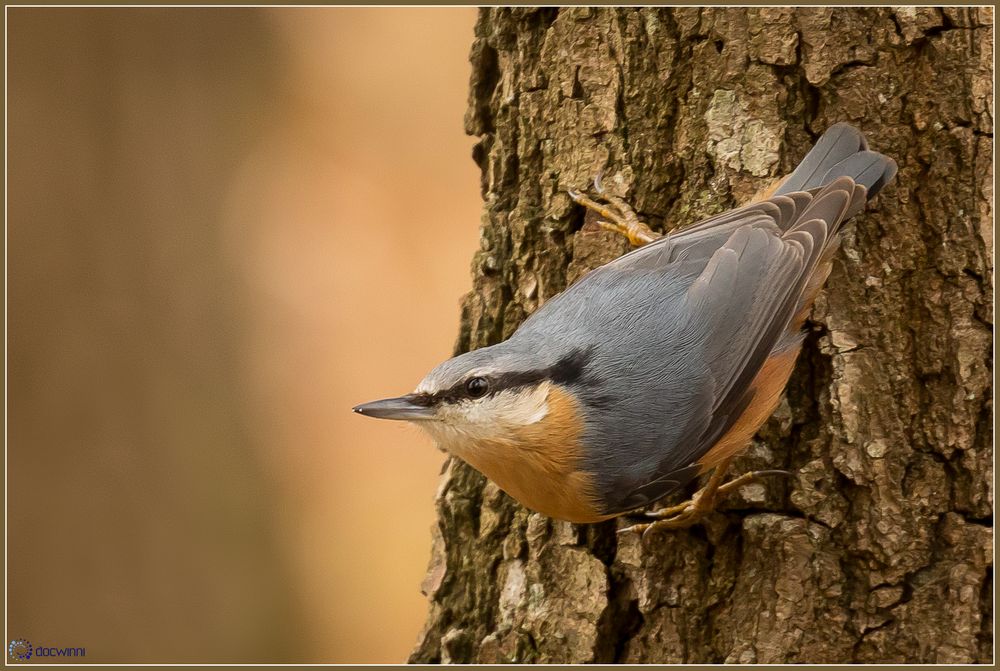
x,y
465,426
527,407
520,407
494,415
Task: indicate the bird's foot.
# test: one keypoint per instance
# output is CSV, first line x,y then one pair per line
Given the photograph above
x,y
689,513
616,215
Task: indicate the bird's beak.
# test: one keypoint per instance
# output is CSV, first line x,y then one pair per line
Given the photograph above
x,y
403,407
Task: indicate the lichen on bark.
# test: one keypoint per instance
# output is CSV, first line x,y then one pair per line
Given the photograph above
x,y
879,548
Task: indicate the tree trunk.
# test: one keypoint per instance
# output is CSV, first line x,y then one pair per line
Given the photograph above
x,y
879,547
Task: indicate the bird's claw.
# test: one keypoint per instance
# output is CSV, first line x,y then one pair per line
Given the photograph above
x,y
688,518
598,187
689,513
635,238
616,215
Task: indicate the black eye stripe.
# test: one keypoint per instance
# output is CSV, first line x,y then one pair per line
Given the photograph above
x,y
567,370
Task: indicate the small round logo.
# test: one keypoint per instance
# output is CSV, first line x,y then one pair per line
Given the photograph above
x,y
19,650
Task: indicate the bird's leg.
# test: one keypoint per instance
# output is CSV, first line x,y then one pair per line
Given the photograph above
x,y
703,502
617,215
688,513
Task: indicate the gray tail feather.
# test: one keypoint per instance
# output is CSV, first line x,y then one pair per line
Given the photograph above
x,y
842,151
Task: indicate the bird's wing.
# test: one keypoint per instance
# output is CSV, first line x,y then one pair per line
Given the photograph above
x,y
756,265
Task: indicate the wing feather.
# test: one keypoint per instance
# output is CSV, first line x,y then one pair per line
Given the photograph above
x,y
740,307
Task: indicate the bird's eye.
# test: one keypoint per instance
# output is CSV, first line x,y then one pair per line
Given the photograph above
x,y
477,387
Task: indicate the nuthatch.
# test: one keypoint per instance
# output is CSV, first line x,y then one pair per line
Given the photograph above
x,y
658,366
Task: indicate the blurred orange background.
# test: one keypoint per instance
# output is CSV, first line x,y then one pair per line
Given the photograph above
x,y
226,227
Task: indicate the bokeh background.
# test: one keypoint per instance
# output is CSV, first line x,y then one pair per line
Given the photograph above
x,y
225,228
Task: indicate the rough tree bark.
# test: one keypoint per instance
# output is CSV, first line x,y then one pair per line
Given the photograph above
x,y
879,547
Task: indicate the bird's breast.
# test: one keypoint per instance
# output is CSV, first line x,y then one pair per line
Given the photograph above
x,y
540,464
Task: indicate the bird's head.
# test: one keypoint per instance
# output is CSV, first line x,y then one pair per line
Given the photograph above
x,y
512,416
478,396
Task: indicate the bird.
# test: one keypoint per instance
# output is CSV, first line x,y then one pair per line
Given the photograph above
x,y
659,366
